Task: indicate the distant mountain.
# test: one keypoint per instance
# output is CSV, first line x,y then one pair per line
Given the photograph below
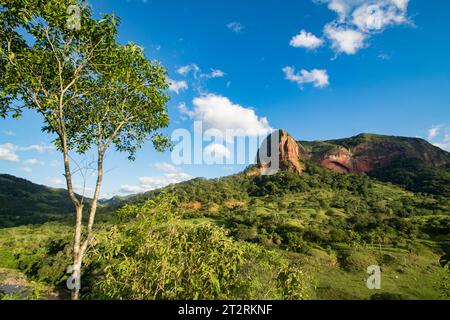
x,y
23,202
409,162
368,152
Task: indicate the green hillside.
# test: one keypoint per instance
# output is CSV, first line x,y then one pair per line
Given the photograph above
x,y
411,163
242,237
23,202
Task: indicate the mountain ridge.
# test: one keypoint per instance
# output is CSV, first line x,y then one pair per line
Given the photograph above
x,y
362,153
366,152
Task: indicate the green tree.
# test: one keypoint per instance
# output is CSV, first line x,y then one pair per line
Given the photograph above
x,y
92,92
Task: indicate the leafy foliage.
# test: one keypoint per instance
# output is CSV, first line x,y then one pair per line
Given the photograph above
x,y
413,175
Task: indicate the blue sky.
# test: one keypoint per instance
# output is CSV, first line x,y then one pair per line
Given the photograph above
x,y
320,69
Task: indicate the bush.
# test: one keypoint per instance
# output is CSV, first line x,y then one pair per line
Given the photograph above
x,y
357,261
169,262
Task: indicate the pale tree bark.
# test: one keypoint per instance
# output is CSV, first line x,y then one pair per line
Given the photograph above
x,y
81,243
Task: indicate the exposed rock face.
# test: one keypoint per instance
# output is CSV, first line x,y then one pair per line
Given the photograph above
x,y
340,160
289,153
367,152
288,150
360,154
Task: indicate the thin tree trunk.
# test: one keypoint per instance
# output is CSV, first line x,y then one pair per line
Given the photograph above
x,y
82,248
78,220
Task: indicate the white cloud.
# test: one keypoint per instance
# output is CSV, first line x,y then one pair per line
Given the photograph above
x,y
345,40
341,7
199,78
167,167
217,151
27,169
235,26
379,15
7,152
213,74
218,112
306,40
319,78
33,162
184,110
434,132
184,70
359,19
178,86
401,4
36,147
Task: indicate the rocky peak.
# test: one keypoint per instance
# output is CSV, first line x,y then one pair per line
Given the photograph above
x,y
288,150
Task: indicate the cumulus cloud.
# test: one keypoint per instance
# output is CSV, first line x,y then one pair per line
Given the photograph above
x,y
178,86
319,78
218,112
359,19
235,26
306,40
380,14
344,40
7,153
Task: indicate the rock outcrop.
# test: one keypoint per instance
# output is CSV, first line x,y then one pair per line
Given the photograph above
x,y
367,152
361,154
288,153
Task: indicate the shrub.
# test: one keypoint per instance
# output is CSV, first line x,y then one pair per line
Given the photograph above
x,y
357,261
169,262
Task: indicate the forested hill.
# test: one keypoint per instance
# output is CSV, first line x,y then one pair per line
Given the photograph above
x,y
24,202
